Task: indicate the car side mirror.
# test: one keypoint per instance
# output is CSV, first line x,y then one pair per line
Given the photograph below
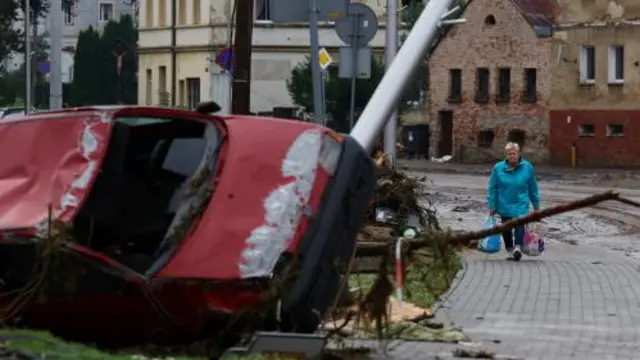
x,y
208,107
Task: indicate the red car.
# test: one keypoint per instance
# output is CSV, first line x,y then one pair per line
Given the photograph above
x,y
135,224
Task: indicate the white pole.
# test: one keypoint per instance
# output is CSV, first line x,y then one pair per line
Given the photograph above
x,y
413,51
390,52
55,33
27,57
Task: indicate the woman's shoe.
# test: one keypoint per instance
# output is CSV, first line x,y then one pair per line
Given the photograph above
x,y
517,254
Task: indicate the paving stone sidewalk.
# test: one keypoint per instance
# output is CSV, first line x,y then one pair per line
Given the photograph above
x,y
574,302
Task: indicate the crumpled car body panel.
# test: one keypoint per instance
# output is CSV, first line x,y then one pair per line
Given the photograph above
x,y
48,165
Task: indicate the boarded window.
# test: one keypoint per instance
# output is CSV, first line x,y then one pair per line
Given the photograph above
x,y
482,86
485,138
504,85
530,85
615,130
517,136
587,130
455,85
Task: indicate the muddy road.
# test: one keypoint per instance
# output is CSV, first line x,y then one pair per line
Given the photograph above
x,y
461,203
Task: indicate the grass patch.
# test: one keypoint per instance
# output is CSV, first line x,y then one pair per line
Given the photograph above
x,y
47,346
426,279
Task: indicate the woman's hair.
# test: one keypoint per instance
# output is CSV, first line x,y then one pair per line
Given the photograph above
x,y
512,146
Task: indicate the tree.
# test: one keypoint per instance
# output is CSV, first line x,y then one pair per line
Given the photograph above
x,y
95,79
86,88
337,91
9,37
125,31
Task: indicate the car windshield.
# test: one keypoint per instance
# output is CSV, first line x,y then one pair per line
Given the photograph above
x,y
9,112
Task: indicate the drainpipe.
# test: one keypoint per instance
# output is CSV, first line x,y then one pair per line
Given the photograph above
x,y
174,35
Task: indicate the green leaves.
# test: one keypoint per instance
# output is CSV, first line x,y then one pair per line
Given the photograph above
x,y
337,91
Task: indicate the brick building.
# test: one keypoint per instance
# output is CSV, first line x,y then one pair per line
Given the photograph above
x,y
596,91
490,81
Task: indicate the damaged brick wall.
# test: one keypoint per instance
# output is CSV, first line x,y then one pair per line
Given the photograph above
x,y
603,138
509,43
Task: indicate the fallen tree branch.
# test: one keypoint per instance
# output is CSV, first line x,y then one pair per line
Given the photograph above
x,y
369,249
628,202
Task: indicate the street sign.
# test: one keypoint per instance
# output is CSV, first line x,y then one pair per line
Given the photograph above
x,y
362,61
359,27
280,11
325,59
225,59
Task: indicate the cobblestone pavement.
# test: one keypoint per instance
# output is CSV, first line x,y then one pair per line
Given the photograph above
x,y
574,302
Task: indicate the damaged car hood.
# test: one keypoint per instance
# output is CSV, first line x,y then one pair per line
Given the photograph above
x,y
48,164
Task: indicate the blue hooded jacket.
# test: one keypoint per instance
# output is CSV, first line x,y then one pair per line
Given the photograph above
x,y
511,190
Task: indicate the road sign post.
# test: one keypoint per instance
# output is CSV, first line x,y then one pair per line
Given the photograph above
x,y
356,30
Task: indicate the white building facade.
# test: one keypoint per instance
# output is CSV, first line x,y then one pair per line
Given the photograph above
x,y
202,32
79,17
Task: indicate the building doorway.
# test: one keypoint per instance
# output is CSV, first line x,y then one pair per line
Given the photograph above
x,y
445,143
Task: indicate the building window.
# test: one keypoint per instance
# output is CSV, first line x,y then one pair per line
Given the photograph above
x,y
485,138
162,79
182,12
587,64
504,85
616,64
162,13
69,14
193,92
587,130
149,13
530,85
482,86
149,88
196,12
106,12
615,130
182,93
455,86
517,136
262,13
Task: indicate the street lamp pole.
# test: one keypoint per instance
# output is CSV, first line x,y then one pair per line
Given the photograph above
x,y
27,57
390,52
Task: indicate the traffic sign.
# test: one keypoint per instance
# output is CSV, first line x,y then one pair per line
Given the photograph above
x,y
324,58
225,59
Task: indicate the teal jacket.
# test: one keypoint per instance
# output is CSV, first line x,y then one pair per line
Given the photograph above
x,y
511,190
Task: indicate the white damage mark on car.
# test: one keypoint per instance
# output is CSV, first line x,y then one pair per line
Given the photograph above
x,y
88,144
284,207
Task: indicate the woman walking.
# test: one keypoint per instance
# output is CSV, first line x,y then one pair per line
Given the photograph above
x,y
512,188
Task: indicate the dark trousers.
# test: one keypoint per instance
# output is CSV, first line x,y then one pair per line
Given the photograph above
x,y
508,236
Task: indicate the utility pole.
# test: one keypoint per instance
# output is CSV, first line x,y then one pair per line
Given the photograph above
x,y
391,48
316,73
55,33
27,57
241,97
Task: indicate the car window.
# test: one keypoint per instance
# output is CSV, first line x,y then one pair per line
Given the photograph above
x,y
12,112
140,121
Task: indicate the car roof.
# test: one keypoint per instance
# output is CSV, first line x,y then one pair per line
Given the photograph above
x,y
109,110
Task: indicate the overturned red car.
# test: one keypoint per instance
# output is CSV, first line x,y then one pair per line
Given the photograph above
x,y
140,224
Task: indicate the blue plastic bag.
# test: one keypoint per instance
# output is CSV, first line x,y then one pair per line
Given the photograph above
x,y
492,243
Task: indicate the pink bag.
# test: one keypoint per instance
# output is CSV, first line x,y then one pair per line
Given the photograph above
x,y
533,243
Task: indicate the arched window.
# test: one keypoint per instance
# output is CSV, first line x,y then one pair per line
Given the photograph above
x,y
490,20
